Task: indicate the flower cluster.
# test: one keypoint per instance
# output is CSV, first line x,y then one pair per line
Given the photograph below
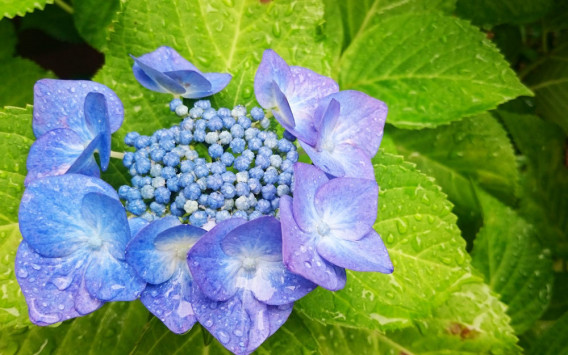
x,y
221,224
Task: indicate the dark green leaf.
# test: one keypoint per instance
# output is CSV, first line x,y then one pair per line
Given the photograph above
x,y
490,13
554,341
93,18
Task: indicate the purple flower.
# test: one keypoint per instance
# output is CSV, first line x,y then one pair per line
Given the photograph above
x,y
244,292
164,70
72,120
158,253
328,226
72,257
350,128
292,93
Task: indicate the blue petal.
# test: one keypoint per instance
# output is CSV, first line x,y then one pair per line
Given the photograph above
x,y
193,83
218,81
282,111
154,79
97,120
246,321
171,301
50,219
212,269
271,283
53,287
307,180
166,59
136,224
272,69
300,255
366,254
105,219
109,279
55,152
360,123
160,249
60,104
348,206
85,161
344,160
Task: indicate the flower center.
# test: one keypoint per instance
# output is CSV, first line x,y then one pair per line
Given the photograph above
x,y
95,243
323,229
249,264
328,145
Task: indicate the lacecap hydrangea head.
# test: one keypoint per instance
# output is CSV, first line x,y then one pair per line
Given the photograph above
x,y
220,223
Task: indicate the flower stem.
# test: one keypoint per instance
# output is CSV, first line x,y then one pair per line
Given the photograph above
x,y
116,155
64,6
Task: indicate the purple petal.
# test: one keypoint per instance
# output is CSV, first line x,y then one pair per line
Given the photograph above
x,y
53,287
272,69
218,81
366,254
282,111
360,123
49,218
271,283
55,153
342,160
154,79
300,255
60,104
97,121
211,268
307,180
171,301
109,279
348,206
193,83
165,59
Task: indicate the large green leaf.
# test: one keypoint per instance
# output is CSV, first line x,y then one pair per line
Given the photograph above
x,y
545,177
474,149
553,341
428,253
18,74
16,137
490,13
93,18
111,330
54,21
549,81
516,266
430,69
11,8
216,35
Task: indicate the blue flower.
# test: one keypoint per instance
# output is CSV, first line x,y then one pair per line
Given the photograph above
x,y
349,131
164,70
292,94
240,279
72,120
328,226
158,253
72,257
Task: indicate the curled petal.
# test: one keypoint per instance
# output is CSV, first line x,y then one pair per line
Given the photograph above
x,y
307,180
342,160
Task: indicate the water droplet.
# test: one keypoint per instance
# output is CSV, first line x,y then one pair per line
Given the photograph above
x,y
223,337
238,332
308,264
276,30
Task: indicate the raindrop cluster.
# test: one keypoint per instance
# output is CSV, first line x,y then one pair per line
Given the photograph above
x,y
214,165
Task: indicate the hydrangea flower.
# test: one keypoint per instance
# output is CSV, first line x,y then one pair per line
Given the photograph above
x,y
158,253
72,120
72,257
328,226
292,94
240,279
165,71
349,132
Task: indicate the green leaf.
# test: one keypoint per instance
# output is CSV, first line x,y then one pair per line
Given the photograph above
x,y
549,81
474,149
16,137
217,36
425,246
554,340
545,177
490,13
93,18
11,8
430,69
514,263
559,302
359,15
111,330
54,21
18,74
